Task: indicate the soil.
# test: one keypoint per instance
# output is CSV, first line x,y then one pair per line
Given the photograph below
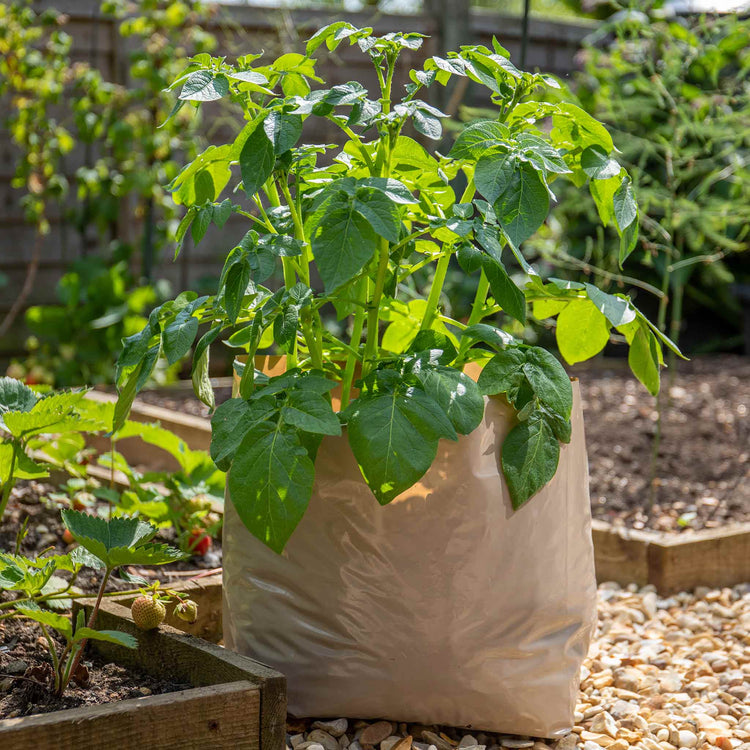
x,y
703,469
702,479
25,662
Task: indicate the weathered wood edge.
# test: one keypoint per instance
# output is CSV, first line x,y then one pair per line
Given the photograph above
x,y
169,652
672,562
214,716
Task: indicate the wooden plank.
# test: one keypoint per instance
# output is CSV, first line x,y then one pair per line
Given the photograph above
x,y
220,716
714,558
620,555
182,657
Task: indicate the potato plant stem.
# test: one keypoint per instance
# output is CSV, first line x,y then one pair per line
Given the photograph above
x,y
351,360
436,290
477,313
373,308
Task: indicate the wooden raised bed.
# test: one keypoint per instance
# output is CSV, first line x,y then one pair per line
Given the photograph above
x,y
236,702
672,562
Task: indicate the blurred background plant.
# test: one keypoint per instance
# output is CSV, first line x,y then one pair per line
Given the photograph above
x,y
675,94
128,149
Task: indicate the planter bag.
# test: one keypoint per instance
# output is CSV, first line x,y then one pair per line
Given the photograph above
x,y
443,607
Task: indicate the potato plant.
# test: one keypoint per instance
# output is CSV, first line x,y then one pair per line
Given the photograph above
x,y
349,227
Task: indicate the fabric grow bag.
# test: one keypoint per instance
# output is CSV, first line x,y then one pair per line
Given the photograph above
x,y
445,606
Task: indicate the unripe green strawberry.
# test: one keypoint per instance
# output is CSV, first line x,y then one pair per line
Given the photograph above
x,y
187,611
148,613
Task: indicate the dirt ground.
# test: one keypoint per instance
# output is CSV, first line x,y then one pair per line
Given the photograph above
x,y
702,475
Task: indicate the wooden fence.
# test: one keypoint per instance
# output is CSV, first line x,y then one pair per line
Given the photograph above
x,y
240,29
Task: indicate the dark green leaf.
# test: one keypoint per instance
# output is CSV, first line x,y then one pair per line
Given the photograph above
x,y
503,373
238,277
549,380
380,211
270,483
178,336
530,455
456,393
343,243
204,86
597,164
231,421
394,437
282,130
257,160
504,290
311,412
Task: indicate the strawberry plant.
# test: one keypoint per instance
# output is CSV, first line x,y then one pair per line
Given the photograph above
x,y
105,545
26,420
353,229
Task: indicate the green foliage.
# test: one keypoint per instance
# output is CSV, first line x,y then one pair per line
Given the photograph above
x,y
106,545
130,144
675,95
367,221
25,417
76,340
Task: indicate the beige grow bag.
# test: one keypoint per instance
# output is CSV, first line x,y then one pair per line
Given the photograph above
x,y
443,607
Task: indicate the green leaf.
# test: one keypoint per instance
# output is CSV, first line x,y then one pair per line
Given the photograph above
x,y
59,622
257,160
519,196
282,130
530,455
427,124
469,257
478,137
108,636
235,288
178,336
643,359
343,243
15,396
625,207
435,341
311,412
617,310
119,541
231,421
270,483
549,380
23,467
503,373
394,437
487,334
494,174
598,165
456,393
380,211
204,86
504,290
393,189
582,331
199,374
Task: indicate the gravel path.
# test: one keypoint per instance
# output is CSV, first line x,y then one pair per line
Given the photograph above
x,y
662,674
